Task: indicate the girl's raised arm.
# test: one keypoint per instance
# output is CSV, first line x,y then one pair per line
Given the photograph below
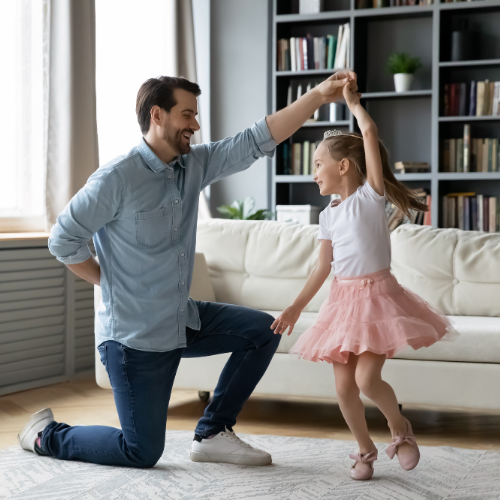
x,y
369,130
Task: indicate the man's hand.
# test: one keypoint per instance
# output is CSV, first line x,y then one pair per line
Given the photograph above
x,y
331,90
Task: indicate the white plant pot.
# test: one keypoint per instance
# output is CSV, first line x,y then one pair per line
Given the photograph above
x,y
402,81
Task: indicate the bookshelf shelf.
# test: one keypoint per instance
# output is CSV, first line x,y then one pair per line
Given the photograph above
x,y
343,123
486,118
477,62
392,94
409,123
294,178
310,72
472,176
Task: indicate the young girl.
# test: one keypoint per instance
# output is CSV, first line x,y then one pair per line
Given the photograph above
x,y
368,316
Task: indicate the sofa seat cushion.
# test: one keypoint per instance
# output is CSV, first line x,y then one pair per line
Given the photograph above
x,y
479,341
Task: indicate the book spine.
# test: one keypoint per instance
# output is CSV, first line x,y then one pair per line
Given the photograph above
x,y
459,156
486,147
444,220
494,155
466,213
460,211
480,207
452,99
480,99
467,148
446,155
462,89
473,203
493,213
453,152
472,101
305,158
486,213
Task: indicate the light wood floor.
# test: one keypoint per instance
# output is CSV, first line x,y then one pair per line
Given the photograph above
x,y
83,402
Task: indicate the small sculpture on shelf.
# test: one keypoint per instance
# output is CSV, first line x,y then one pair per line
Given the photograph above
x,y
403,66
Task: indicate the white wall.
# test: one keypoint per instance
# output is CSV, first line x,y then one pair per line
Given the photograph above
x,y
238,88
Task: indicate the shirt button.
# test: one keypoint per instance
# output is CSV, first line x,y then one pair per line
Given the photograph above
x,y
182,282
176,201
175,228
182,255
182,310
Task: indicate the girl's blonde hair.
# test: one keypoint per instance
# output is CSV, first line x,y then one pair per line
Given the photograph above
x,y
351,146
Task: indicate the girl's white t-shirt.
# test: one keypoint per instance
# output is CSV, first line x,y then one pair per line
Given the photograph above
x,y
358,230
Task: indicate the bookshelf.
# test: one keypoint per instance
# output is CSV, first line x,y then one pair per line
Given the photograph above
x,y
411,124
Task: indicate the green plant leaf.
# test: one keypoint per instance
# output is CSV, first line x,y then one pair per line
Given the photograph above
x,y
401,62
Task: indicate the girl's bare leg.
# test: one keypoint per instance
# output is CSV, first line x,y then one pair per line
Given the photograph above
x,y
368,376
351,406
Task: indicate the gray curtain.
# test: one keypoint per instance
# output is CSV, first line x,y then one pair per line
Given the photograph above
x,y
71,147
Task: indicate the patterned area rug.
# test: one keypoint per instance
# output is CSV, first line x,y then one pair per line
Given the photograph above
x,y
302,469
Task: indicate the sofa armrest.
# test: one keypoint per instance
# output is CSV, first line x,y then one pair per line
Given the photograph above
x,y
201,286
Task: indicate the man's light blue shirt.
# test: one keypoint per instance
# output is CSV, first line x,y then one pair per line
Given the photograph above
x,y
142,215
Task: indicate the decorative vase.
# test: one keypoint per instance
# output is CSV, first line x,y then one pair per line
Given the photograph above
x,y
402,81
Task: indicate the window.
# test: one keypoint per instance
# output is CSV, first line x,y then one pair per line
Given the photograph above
x,y
133,43
22,175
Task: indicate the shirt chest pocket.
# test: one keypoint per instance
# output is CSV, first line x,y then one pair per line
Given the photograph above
x,y
152,228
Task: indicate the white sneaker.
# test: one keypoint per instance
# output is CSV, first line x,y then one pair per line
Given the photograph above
x,y
227,447
36,423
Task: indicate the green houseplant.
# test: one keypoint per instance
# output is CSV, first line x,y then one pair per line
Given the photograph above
x,y
242,210
403,66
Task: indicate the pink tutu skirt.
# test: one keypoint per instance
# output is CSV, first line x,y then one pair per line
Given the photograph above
x,y
371,313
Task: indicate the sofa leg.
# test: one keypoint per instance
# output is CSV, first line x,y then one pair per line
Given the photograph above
x,y
204,395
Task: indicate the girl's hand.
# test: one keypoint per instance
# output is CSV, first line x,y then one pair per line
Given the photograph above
x,y
331,89
286,319
350,95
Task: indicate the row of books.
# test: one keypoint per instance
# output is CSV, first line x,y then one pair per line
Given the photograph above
x,y
471,212
298,157
466,154
378,4
395,216
312,52
472,99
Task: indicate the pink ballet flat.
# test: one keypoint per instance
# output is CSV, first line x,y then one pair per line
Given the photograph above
x,y
408,461
367,458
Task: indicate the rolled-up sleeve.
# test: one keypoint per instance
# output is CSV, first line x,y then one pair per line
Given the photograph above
x,y
100,201
234,154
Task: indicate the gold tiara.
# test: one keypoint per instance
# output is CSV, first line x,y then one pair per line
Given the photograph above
x,y
335,132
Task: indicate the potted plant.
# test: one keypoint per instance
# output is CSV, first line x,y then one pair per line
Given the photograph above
x,y
242,210
403,66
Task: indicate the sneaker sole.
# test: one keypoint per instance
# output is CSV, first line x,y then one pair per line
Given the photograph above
x,y
34,420
198,456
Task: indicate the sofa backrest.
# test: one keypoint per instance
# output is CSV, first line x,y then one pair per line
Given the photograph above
x,y
456,271
265,264
259,264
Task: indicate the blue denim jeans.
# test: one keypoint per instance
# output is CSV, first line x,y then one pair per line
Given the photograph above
x,y
142,383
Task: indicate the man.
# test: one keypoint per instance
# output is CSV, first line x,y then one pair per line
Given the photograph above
x,y
141,209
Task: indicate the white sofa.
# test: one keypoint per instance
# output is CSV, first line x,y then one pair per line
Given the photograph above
x,y
264,265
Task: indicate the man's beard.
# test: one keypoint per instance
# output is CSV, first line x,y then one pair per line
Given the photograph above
x,y
177,141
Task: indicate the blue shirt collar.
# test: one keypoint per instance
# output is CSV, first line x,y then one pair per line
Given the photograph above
x,y
153,162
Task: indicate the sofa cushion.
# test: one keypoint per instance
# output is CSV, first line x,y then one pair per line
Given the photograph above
x,y
456,271
260,264
479,341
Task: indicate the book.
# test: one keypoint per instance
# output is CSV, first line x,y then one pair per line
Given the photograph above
x,y
286,158
472,100
462,96
452,211
305,158
473,155
466,204
446,155
480,207
486,100
409,166
491,91
299,91
444,206
480,99
446,100
337,49
305,61
332,48
460,211
494,155
298,54
312,149
490,155
492,214
297,157
289,95
466,140
496,99
453,99
459,155
486,147
310,52
473,209
293,55
486,213
453,152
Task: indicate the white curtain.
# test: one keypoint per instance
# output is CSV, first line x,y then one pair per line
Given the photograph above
x,y
71,147
185,64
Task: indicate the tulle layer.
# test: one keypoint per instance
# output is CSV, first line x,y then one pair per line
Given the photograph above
x,y
371,313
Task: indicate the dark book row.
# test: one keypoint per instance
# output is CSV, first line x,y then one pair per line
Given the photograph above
x,y
471,212
471,99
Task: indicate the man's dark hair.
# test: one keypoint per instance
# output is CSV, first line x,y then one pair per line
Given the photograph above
x,y
160,92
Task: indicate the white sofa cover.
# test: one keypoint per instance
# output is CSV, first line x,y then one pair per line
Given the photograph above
x,y
264,265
